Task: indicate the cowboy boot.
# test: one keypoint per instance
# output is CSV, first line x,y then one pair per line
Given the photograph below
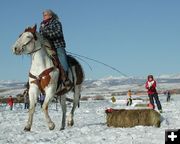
x,y
59,66
63,74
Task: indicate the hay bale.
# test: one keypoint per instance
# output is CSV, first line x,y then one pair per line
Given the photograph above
x,y
131,118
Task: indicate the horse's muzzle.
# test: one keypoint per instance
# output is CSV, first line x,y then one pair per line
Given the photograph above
x,y
16,51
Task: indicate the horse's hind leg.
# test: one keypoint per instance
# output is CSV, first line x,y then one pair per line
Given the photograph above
x,y
63,106
33,100
51,124
77,91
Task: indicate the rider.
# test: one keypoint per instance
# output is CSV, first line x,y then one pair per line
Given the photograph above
x,y
51,29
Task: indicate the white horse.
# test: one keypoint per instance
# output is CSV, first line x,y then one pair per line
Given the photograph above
x,y
43,76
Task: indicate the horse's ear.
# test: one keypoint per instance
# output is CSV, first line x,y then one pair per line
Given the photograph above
x,y
27,29
32,30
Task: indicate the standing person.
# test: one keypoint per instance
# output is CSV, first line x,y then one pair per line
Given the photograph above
x,y
26,99
129,99
168,94
10,102
41,99
113,99
51,29
152,92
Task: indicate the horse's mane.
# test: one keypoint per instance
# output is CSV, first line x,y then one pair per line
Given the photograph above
x,y
37,35
42,39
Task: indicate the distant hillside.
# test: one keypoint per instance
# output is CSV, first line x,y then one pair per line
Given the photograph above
x,y
120,85
107,86
11,88
108,82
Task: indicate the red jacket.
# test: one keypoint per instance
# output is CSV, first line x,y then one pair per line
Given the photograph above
x,y
10,101
151,87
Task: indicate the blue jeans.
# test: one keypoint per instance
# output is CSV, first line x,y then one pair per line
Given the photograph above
x,y
63,58
151,99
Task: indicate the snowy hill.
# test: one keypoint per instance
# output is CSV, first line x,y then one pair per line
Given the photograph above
x,y
11,87
113,81
120,85
170,76
104,86
11,84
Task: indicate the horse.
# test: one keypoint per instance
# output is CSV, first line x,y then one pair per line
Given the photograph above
x,y
44,75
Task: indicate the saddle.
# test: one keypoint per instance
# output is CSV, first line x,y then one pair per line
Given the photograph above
x,y
51,51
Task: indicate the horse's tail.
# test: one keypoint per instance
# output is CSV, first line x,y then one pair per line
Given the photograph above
x,y
78,71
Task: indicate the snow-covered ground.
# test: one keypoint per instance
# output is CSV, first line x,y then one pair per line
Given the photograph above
x,y
89,128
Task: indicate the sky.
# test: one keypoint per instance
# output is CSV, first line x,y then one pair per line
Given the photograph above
x,y
137,37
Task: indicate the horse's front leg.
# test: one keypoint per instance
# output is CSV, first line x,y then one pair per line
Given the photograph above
x,y
49,95
63,106
33,94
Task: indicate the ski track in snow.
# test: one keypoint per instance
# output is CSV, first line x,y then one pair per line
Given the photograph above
x,y
89,126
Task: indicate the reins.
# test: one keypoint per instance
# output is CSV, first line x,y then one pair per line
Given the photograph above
x,y
97,61
33,51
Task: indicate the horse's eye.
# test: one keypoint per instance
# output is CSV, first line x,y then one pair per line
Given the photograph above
x,y
29,36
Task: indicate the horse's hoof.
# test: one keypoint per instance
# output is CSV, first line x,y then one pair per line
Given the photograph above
x,y
62,129
71,123
26,129
51,126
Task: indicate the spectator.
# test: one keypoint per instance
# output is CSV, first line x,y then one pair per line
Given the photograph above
x,y
152,92
41,99
129,99
26,99
10,102
168,94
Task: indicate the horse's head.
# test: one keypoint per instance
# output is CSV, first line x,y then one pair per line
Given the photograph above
x,y
25,44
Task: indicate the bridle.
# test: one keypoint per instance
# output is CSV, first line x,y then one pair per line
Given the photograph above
x,y
33,50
